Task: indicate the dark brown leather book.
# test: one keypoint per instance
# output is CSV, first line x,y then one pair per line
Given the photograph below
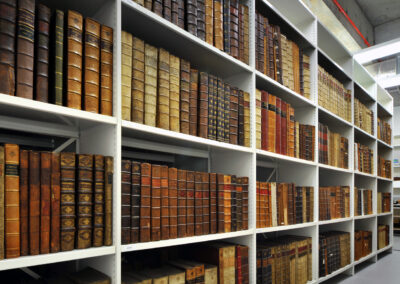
x,y
239,204
91,80
201,19
220,202
135,202
45,201
227,25
34,202
234,28
145,202
220,116
234,116
158,7
164,204
167,9
42,53
138,80
241,33
194,78
191,16
126,201
278,126
98,202
213,203
227,113
182,203
218,25
155,203
203,105
245,202
55,202
57,57
181,14
198,204
205,182
106,70
163,89
212,131
24,200
109,178
1,202
25,48
190,203
175,12
173,202
184,95
8,17
233,204
67,201
73,67
241,118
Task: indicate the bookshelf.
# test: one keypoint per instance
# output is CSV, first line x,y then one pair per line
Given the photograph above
x,y
36,122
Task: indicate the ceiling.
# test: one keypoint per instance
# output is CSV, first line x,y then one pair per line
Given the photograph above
x,y
380,11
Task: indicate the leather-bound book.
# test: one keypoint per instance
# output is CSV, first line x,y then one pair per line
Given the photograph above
x,y
175,12
11,203
296,67
164,204
181,14
25,48
145,202
8,18
233,204
45,201
163,89
91,66
270,42
220,203
227,99
98,201
241,33
85,201
198,204
212,131
227,25
167,6
109,179
284,128
201,19
191,16
158,7
264,120
190,271
193,98
220,111
246,34
241,119
24,200
190,203
57,57
2,202
203,105
74,52
42,54
155,203
259,41
272,118
234,28
150,84
210,274
209,21
135,202
184,95
234,116
227,203
174,63
126,179
148,4
245,202
205,182
106,70
55,203
34,202
213,203
258,119
218,25
90,276
173,202
277,54
291,130
126,74
258,205
182,203
278,125
239,204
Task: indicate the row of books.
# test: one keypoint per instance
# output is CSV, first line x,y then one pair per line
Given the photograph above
x,y
384,202
287,259
160,203
334,202
362,244
362,201
363,117
384,131
383,236
280,58
223,24
39,44
53,202
281,204
363,158
332,95
334,251
162,90
278,132
333,148
384,168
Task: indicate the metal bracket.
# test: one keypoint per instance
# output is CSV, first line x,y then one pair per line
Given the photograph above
x,y
65,145
146,156
30,272
270,176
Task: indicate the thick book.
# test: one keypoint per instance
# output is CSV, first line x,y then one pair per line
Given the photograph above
x,y
173,202
220,204
201,19
284,127
258,120
227,25
42,54
184,95
109,179
212,117
106,70
241,119
205,181
213,204
246,119
218,25
126,180
34,202
264,120
220,110
162,117
198,204
98,200
245,202
203,105
45,201
272,118
182,203
193,101
234,28
2,167
226,113
164,203
167,6
126,74
55,184
24,200
209,16
135,202
233,204
145,202
227,203
191,16
278,126
234,116
155,203
150,84
190,203
58,57
174,81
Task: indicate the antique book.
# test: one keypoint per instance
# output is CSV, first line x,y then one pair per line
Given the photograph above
x,y
198,204
227,25
164,203
175,12
212,112
42,54
34,202
145,202
278,125
264,120
2,201
241,119
221,110
258,120
191,16
233,204
213,203
173,202
7,48
209,16
167,9
190,271
98,202
174,89
218,25
201,19
126,179
45,201
55,203
25,48
135,202
90,276
106,70
245,202
227,114
193,100
220,204
210,274
190,203
181,13
162,117
150,84
74,51
158,7
203,105
58,57
284,134
272,117
155,203
227,204
109,178
246,119
241,33
291,127
181,203
24,200
205,181
246,34
184,95
234,28
234,116
126,74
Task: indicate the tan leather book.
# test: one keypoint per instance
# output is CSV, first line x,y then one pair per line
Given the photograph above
x,y
2,174
210,274
150,84
109,179
227,203
24,200
190,203
106,70
174,87
271,123
163,89
137,80
126,74
218,25
98,202
246,119
209,21
258,119
184,95
45,201
190,272
175,275
193,101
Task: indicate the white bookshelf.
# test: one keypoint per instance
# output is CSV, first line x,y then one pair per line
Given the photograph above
x,y
93,133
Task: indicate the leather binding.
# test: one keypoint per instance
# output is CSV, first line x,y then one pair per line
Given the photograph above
x,y
296,67
174,62
220,203
270,41
173,202
194,77
92,66
213,204
42,53
155,203
227,201
239,203
241,119
90,276
210,274
191,16
148,4
158,7
246,104
212,113
8,17
284,128
203,105
227,26
259,42
181,14
209,21
74,59
198,204
205,181
233,116
135,202
234,28
126,74
241,33
163,89
277,53
278,125
45,201
175,12
272,117
164,203
258,205
98,202
264,27
106,70
264,120
34,202
25,48
181,203
291,123
126,179
218,25
1,201
233,204
246,34
220,111
167,7
258,119
190,273
145,202
150,84
58,57
184,95
23,200
85,201
190,203
55,203
109,178
201,19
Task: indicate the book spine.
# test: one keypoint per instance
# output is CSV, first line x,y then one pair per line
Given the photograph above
x,y
220,203
45,201
246,34
167,6
158,7
241,119
173,202
109,179
245,202
234,28
145,202
218,25
246,119
98,202
163,90
34,202
135,202
198,201
150,84
164,203
213,204
55,203
206,202
209,21
174,62
203,105
233,204
264,120
190,203
126,74
184,96
42,53
211,116
220,110
193,98
227,24
284,128
58,57
201,19
106,70
182,203
24,200
155,203
2,168
227,201
126,180
191,16
234,116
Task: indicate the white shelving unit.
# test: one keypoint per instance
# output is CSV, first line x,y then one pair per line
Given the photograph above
x,y
93,133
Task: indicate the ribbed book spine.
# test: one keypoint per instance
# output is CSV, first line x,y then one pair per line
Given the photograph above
x,y
206,202
145,202
55,203
198,205
106,70
193,101
155,203
227,25
126,74
203,105
164,204
184,96
190,203
163,89
98,202
220,110
34,202
2,166
211,110
24,200
213,204
126,201
201,19
234,28
138,80
109,179
209,21
181,203
233,116
191,16
135,202
45,201
173,202
218,25
58,57
150,84
227,112
174,81
42,53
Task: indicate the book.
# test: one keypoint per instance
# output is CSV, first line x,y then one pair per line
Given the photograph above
x,y
164,203
138,76
203,111
34,202
145,202
155,203
173,202
191,16
184,96
174,86
193,101
2,208
191,203
135,202
150,84
126,180
209,18
45,201
182,203
205,202
24,200
162,116
234,116
126,74
218,25
98,200
201,19
384,131
42,53
106,70
258,119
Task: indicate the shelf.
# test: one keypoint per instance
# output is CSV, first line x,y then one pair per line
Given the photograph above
x,y
339,220
365,258
274,156
384,214
384,249
333,274
33,260
328,167
285,228
184,241
364,216
385,179
333,118
363,133
364,174
384,144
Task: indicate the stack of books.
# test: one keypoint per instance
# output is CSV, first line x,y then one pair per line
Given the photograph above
x,y
363,117
333,149
334,251
334,202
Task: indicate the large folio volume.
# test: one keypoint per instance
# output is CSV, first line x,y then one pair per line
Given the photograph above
x,y
24,200
45,201
106,70
58,57
145,202
135,202
34,202
42,54
55,203
125,201
98,202
184,95
126,74
1,202
109,174
174,85
150,84
138,80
